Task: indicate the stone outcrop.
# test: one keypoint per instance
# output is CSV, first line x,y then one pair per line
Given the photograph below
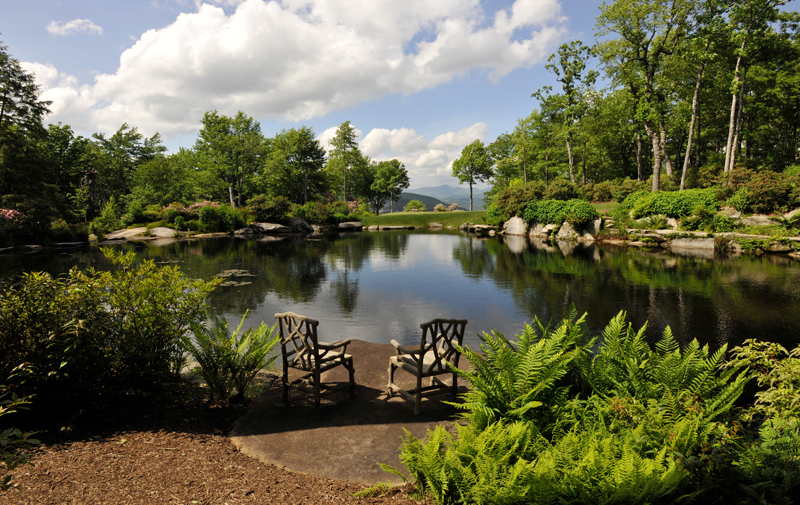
x,y
162,232
436,226
792,214
300,225
516,226
730,213
350,226
270,228
692,243
539,230
757,220
244,232
124,234
568,232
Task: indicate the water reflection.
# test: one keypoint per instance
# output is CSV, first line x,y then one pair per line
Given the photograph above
x,y
381,286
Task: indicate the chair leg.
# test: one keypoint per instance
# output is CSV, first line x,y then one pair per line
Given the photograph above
x,y
317,392
285,386
455,387
418,401
352,370
389,390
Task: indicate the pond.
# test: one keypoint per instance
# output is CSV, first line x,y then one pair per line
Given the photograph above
x,y
380,286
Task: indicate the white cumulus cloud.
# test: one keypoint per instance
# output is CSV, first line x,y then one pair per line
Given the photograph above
x,y
300,59
428,163
73,27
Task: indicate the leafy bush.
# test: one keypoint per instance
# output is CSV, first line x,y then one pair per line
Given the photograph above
x,y
135,214
675,204
562,189
622,189
222,218
552,418
576,212
15,445
230,360
275,210
512,201
452,207
61,231
440,208
600,191
153,213
314,212
91,334
768,192
107,221
415,206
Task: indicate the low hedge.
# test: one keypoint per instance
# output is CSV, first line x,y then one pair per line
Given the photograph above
x,y
676,204
575,212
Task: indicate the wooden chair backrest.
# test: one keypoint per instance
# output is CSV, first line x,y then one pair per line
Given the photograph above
x,y
442,336
298,337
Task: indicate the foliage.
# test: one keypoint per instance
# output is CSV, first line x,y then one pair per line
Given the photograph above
x,y
415,206
675,204
107,221
513,200
314,212
228,360
223,218
452,207
92,334
561,189
599,192
273,210
473,166
15,445
440,208
555,418
776,371
575,212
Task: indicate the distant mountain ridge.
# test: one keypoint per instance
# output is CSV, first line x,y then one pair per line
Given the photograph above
x,y
449,194
406,197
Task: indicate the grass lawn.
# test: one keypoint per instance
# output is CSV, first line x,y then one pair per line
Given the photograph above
x,y
423,219
605,207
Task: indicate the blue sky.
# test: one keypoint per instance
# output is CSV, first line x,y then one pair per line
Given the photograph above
x,y
418,78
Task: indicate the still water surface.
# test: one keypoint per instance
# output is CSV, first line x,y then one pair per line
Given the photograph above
x,y
381,286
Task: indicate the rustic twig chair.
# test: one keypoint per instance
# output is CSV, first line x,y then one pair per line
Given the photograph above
x,y
301,350
437,354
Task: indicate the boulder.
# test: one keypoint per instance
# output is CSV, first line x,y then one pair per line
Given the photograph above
x,y
244,232
792,214
482,229
391,228
162,232
692,243
594,227
463,227
673,223
350,226
566,232
123,234
373,227
730,213
300,225
436,226
778,247
516,226
270,228
757,220
541,230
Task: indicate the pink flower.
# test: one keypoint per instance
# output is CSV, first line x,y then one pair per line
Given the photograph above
x,y
11,215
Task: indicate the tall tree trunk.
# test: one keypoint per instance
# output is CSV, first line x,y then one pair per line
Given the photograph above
x,y
697,140
230,194
695,105
639,161
667,159
305,186
734,103
470,196
571,162
656,141
583,159
737,127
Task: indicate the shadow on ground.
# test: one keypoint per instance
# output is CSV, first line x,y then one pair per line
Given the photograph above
x,y
347,436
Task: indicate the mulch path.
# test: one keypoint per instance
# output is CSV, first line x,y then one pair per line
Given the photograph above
x,y
169,450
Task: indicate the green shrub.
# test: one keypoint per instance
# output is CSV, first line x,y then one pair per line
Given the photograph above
x,y
91,334
600,191
625,187
61,231
230,360
152,213
415,206
576,212
15,445
275,210
768,192
512,201
494,216
315,212
675,204
552,418
135,214
222,219
440,207
107,221
562,189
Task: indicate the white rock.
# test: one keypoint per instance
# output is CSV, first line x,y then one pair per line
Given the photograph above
x,y
757,220
270,228
516,226
350,226
162,232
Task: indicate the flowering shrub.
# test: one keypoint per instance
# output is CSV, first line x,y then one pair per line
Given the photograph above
x,y
354,205
440,208
11,215
196,207
452,207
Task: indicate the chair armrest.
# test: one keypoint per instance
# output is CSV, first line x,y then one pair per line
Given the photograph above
x,y
401,349
334,345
